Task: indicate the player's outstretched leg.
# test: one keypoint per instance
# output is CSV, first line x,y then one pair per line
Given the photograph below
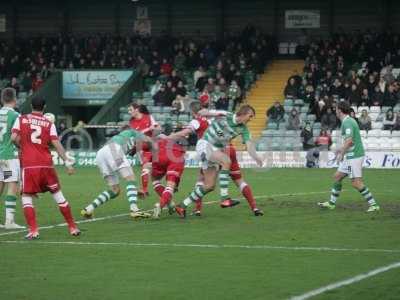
x,y
65,210
30,217
197,194
247,193
101,199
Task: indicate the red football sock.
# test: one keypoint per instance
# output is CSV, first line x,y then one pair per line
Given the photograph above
x,y
166,196
145,180
199,204
158,187
65,210
30,217
248,194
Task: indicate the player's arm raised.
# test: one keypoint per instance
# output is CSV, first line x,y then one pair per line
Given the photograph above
x,y
212,113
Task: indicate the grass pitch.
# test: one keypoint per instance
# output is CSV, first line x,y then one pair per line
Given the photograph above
x,y
225,254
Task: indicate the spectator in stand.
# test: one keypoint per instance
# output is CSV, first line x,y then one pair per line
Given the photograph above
x,y
389,120
37,82
166,68
354,96
276,112
180,89
377,97
364,121
210,85
160,98
293,120
234,94
291,89
222,85
199,73
329,120
154,69
365,100
396,125
324,140
391,96
178,105
174,78
353,115
337,89
307,137
155,88
222,103
14,84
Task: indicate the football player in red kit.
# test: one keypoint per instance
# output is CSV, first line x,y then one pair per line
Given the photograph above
x,y
168,161
33,133
198,125
142,121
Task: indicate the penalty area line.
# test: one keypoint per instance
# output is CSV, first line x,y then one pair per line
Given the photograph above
x,y
207,246
345,282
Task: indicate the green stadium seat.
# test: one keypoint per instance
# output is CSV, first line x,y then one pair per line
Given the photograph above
x,y
298,102
288,102
316,125
272,125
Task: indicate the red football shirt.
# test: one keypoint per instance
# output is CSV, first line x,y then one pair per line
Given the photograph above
x,y
199,126
143,124
35,133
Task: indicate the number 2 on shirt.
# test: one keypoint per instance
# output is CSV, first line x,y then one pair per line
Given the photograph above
x,y
35,135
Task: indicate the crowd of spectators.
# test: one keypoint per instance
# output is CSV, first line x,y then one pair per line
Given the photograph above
x,y
355,67
217,67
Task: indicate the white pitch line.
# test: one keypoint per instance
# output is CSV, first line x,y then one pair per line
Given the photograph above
x,y
213,246
65,224
123,215
345,282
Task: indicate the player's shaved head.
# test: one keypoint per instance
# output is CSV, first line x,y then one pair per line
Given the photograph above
x,y
8,95
38,103
245,109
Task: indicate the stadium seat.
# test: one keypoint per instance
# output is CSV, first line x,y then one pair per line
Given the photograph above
x,y
298,102
317,125
396,108
304,109
363,133
386,134
311,118
123,109
385,109
291,133
380,117
374,133
288,102
375,109
267,133
396,134
374,116
377,125
272,125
